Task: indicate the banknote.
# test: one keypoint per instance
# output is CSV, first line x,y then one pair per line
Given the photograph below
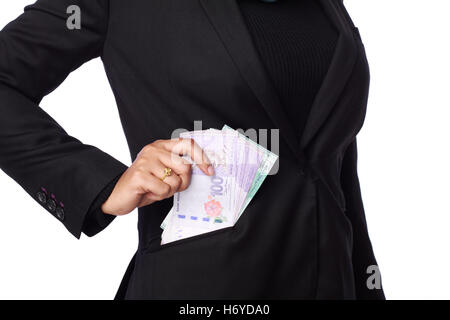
x,y
267,160
208,203
214,202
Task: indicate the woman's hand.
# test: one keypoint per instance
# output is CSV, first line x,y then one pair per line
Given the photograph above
x,y
142,183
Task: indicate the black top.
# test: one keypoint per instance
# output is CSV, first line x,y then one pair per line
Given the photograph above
x,y
296,42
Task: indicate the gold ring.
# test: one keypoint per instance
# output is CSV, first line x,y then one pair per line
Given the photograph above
x,y
167,173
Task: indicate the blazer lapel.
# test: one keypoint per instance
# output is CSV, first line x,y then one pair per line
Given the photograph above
x,y
338,74
226,17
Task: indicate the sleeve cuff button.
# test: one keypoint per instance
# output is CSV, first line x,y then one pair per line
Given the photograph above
x,y
42,197
60,213
51,205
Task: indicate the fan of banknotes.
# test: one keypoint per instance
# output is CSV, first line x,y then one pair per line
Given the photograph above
x,y
216,202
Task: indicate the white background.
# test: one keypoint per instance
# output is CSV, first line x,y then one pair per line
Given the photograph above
x,y
403,167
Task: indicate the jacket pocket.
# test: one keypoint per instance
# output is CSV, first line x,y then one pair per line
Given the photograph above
x,y
271,252
155,243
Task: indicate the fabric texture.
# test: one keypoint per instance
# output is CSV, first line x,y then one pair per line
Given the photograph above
x,y
37,52
170,63
96,220
296,42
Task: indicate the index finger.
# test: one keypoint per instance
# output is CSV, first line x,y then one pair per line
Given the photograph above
x,y
189,147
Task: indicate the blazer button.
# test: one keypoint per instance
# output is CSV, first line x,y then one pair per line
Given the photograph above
x,y
51,205
42,197
60,213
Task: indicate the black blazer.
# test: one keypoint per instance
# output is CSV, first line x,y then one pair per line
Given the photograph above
x,y
171,62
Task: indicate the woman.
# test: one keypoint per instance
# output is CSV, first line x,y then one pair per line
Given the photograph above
x,y
297,66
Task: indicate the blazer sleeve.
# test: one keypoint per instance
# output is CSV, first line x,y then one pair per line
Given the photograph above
x,y
363,256
96,220
37,52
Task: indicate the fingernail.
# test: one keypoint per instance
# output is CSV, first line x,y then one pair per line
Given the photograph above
x,y
210,170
